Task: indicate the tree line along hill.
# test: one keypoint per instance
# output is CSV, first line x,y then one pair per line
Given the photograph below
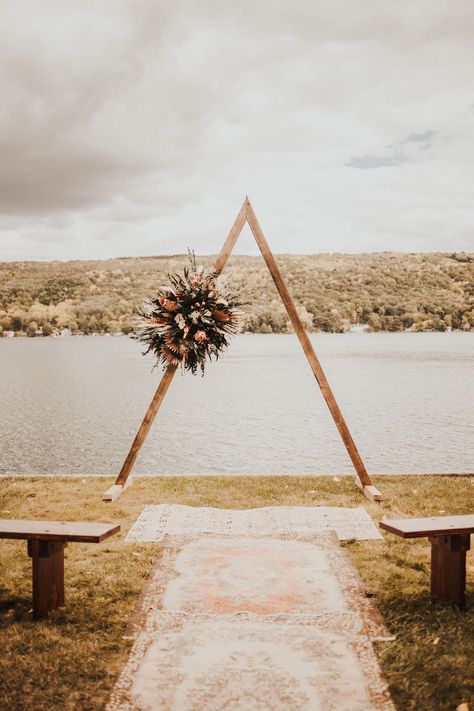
x,y
380,292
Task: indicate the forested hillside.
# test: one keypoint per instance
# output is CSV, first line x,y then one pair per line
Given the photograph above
x,y
385,291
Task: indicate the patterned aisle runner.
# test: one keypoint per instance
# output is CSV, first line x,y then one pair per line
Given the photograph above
x,y
274,623
155,522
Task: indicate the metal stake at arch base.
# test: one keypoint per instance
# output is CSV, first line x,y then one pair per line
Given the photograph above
x,y
246,214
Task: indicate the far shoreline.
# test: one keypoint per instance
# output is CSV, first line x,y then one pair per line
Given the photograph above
x,y
316,475
18,334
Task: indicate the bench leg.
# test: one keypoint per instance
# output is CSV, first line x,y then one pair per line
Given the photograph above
x,y
448,568
48,576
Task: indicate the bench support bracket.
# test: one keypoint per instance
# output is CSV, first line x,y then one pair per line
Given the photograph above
x,y
48,576
448,568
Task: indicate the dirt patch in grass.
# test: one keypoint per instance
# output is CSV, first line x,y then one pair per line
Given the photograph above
x,y
71,660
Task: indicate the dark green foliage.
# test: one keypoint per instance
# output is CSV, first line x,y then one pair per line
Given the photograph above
x,y
385,291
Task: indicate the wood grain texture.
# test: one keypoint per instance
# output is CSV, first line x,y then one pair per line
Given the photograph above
x,y
59,574
114,491
232,238
48,576
429,526
34,530
46,543
370,492
450,538
448,568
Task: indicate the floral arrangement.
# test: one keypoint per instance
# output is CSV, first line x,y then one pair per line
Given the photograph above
x,y
189,321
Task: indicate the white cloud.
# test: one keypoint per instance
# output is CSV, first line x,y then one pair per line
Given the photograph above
x,y
137,128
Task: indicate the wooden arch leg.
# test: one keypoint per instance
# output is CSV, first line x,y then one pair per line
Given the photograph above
x,y
363,480
123,480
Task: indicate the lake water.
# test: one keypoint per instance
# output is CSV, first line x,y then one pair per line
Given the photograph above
x,y
72,406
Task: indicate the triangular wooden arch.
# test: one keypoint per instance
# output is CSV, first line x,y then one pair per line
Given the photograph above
x,y
247,214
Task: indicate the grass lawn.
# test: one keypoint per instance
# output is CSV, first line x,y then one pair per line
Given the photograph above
x,y
71,660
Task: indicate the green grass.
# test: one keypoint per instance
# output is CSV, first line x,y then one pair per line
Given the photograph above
x,y
71,660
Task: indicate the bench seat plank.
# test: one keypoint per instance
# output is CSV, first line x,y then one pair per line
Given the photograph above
x,y
83,531
430,526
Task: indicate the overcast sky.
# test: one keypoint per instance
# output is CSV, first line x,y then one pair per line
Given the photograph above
x,y
136,127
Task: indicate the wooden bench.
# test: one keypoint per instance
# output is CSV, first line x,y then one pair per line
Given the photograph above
x,y
450,539
46,543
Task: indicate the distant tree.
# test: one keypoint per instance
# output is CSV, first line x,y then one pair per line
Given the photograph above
x,y
6,322
18,318
38,312
385,291
58,289
113,327
62,314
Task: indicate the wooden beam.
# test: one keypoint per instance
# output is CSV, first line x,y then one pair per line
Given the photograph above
x,y
232,238
116,490
308,350
48,576
42,530
370,492
448,568
147,422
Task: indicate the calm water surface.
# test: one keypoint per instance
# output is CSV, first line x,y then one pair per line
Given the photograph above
x,y
73,405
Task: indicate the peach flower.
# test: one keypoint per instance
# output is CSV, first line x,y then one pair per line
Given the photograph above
x,y
200,337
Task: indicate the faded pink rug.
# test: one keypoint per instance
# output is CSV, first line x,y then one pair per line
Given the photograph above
x,y
247,624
